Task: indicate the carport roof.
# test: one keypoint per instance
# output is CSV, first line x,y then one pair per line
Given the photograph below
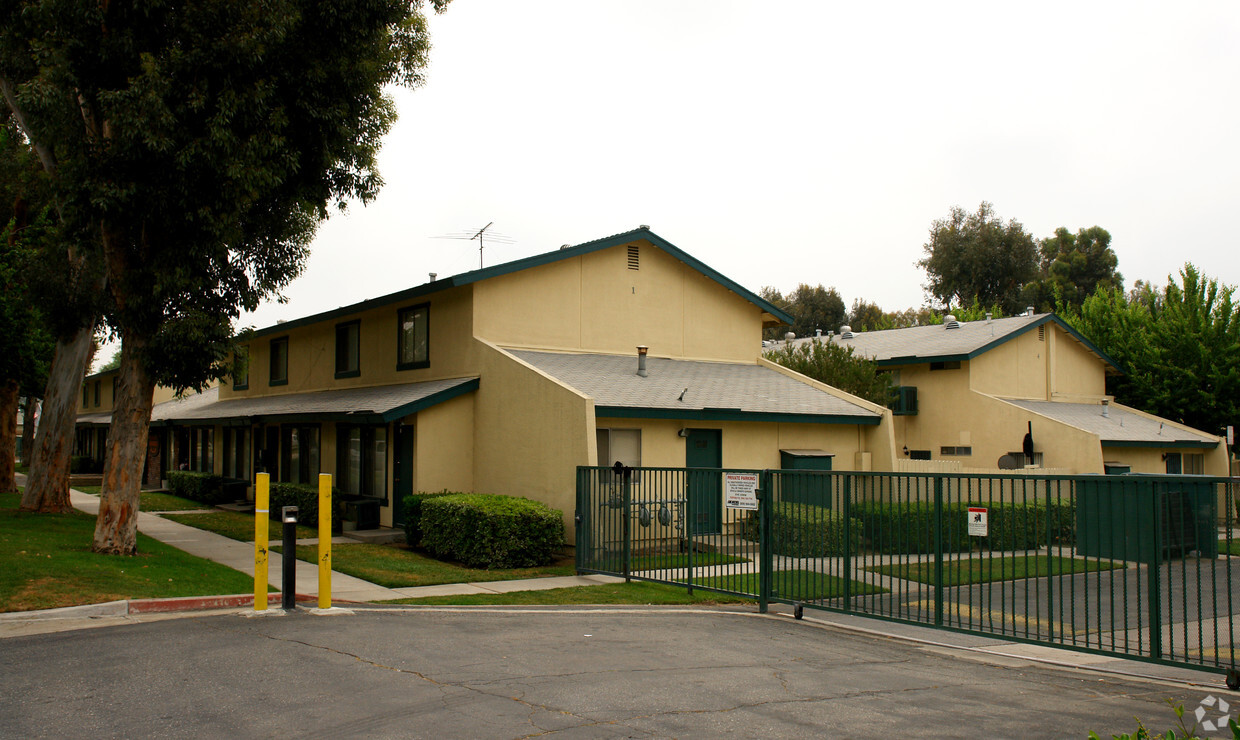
x,y
1121,427
688,389
369,405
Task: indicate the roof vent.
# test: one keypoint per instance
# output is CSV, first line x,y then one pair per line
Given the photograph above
x,y
644,226
641,359
818,332
989,316
789,336
564,246
1028,310
1105,403
950,322
433,276
846,332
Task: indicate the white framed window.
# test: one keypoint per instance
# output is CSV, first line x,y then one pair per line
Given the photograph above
x,y
622,446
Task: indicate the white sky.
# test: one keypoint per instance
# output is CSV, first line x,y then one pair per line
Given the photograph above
x,y
809,141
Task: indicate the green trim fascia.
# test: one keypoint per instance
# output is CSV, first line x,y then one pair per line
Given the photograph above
x,y
434,399
1160,444
631,412
467,278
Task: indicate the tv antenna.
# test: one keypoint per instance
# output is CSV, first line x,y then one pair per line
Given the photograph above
x,y
494,236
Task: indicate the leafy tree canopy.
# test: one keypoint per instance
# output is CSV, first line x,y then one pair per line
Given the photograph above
x,y
837,366
1072,268
977,255
1179,347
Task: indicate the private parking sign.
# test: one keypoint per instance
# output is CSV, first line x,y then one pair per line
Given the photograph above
x,y
977,521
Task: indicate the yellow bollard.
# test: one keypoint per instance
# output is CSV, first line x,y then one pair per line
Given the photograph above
x,y
262,497
325,541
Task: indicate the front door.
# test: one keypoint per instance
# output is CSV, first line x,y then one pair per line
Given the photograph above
x,y
704,449
402,474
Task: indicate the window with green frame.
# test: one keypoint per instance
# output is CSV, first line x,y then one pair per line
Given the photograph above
x,y
413,337
202,451
279,362
361,465
241,368
348,349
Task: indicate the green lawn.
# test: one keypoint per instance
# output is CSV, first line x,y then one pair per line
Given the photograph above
x,y
236,525
1229,548
154,500
48,563
635,593
986,570
398,567
797,585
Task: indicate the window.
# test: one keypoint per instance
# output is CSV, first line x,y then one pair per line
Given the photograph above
x,y
348,349
904,400
279,361
361,466
115,384
945,365
958,451
413,337
1194,463
98,392
85,395
202,450
241,368
299,454
619,445
237,452
919,454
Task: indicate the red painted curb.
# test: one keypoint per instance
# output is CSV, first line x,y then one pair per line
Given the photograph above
x,y
197,603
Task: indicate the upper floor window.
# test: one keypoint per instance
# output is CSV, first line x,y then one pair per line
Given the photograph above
x,y
85,395
241,368
279,361
98,392
413,337
348,349
945,365
115,384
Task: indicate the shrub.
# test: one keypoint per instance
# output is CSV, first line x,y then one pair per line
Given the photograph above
x,y
306,498
413,515
491,531
805,531
909,527
202,487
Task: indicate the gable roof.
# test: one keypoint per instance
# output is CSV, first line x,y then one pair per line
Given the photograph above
x,y
936,343
690,389
566,252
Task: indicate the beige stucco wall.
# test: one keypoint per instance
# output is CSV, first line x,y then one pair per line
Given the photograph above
x,y
595,303
1016,369
312,349
531,433
443,446
1079,374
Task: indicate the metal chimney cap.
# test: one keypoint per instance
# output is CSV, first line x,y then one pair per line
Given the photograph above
x,y
642,349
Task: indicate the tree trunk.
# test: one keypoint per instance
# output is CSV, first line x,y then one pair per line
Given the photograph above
x,y
8,436
116,529
28,422
47,487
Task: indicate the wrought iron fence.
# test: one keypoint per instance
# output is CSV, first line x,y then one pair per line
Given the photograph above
x,y
1140,566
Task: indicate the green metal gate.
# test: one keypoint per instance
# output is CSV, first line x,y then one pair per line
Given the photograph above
x,y
1139,566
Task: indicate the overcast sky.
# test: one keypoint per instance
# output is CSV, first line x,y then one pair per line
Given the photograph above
x,y
788,142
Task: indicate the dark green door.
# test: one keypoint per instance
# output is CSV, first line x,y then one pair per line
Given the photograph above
x,y
704,449
402,474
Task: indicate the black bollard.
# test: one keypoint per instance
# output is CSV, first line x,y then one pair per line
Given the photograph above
x,y
288,598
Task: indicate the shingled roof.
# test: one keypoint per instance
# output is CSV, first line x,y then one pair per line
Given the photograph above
x,y
379,403
1121,427
937,343
687,389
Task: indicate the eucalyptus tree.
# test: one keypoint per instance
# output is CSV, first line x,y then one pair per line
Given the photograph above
x,y
201,144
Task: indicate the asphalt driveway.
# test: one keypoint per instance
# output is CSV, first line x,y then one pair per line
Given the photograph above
x,y
571,673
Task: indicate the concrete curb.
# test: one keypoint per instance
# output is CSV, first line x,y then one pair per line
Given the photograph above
x,y
151,606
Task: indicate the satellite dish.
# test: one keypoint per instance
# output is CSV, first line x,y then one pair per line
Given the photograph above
x,y
1007,462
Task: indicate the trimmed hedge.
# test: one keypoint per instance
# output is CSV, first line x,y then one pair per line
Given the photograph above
x,y
202,487
413,515
491,531
908,528
306,498
805,531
